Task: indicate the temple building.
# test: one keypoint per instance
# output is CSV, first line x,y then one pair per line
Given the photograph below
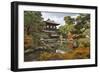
x,y
51,28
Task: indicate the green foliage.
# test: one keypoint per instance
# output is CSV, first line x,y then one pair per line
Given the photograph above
x,y
81,28
84,42
33,21
82,21
68,20
62,30
69,26
87,33
33,25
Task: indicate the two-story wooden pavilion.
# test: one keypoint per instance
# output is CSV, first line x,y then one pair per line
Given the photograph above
x,y
51,28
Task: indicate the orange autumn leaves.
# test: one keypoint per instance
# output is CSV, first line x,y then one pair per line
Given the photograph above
x,y
27,41
78,53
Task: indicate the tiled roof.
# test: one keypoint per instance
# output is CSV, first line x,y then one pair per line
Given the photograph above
x,y
52,22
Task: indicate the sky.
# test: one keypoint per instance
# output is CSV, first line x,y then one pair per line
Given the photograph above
x,y
57,16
